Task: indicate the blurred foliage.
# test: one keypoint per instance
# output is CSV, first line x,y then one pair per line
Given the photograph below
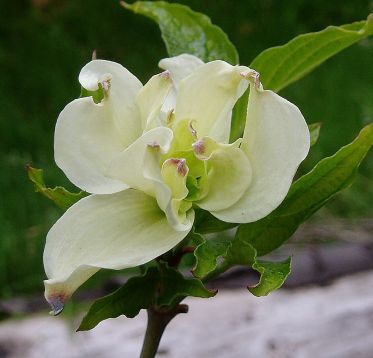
x,y
44,44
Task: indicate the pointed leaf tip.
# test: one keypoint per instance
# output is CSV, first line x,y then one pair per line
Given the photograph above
x,y
62,197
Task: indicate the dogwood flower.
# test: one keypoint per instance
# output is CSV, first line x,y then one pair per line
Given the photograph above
x,y
150,154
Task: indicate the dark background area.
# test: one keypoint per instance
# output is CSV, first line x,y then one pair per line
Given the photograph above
x,y
44,44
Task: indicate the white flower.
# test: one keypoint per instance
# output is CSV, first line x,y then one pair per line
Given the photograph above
x,y
150,154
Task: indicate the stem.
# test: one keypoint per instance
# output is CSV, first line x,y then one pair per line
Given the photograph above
x,y
158,319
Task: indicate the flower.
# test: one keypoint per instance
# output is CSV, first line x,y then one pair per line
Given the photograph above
x,y
150,154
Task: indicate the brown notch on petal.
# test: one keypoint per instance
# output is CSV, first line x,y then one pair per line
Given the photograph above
x,y
199,147
182,168
192,130
57,302
170,116
154,145
106,84
166,75
252,74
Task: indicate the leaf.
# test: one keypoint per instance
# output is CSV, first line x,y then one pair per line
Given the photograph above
x,y
187,31
314,129
239,117
282,65
206,223
307,195
62,197
175,286
240,253
208,253
137,293
162,287
97,95
273,275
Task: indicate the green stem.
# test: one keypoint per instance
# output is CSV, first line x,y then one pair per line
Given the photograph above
x,y
158,319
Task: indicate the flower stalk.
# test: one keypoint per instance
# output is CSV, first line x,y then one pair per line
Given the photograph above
x,y
158,319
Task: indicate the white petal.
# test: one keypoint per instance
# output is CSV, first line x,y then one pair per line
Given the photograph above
x,y
180,66
88,135
123,88
85,141
115,231
128,166
208,96
151,98
177,212
276,140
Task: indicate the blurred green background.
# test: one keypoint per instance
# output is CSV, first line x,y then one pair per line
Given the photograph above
x,y
44,44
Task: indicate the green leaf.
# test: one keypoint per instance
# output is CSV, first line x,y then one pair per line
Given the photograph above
x,y
307,195
187,31
137,293
208,253
63,198
283,65
175,286
97,95
240,252
239,117
206,223
161,286
273,275
314,129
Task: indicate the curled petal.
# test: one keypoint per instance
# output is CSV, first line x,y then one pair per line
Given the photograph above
x,y
170,188
85,141
174,172
207,97
121,88
180,66
151,98
115,231
229,173
276,140
88,135
128,166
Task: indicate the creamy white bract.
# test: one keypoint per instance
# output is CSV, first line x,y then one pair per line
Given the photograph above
x,y
150,154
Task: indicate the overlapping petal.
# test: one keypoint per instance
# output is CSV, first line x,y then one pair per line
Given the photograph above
x,y
88,135
180,66
128,166
121,89
276,140
208,96
151,99
114,231
142,138
229,173
169,193
85,141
